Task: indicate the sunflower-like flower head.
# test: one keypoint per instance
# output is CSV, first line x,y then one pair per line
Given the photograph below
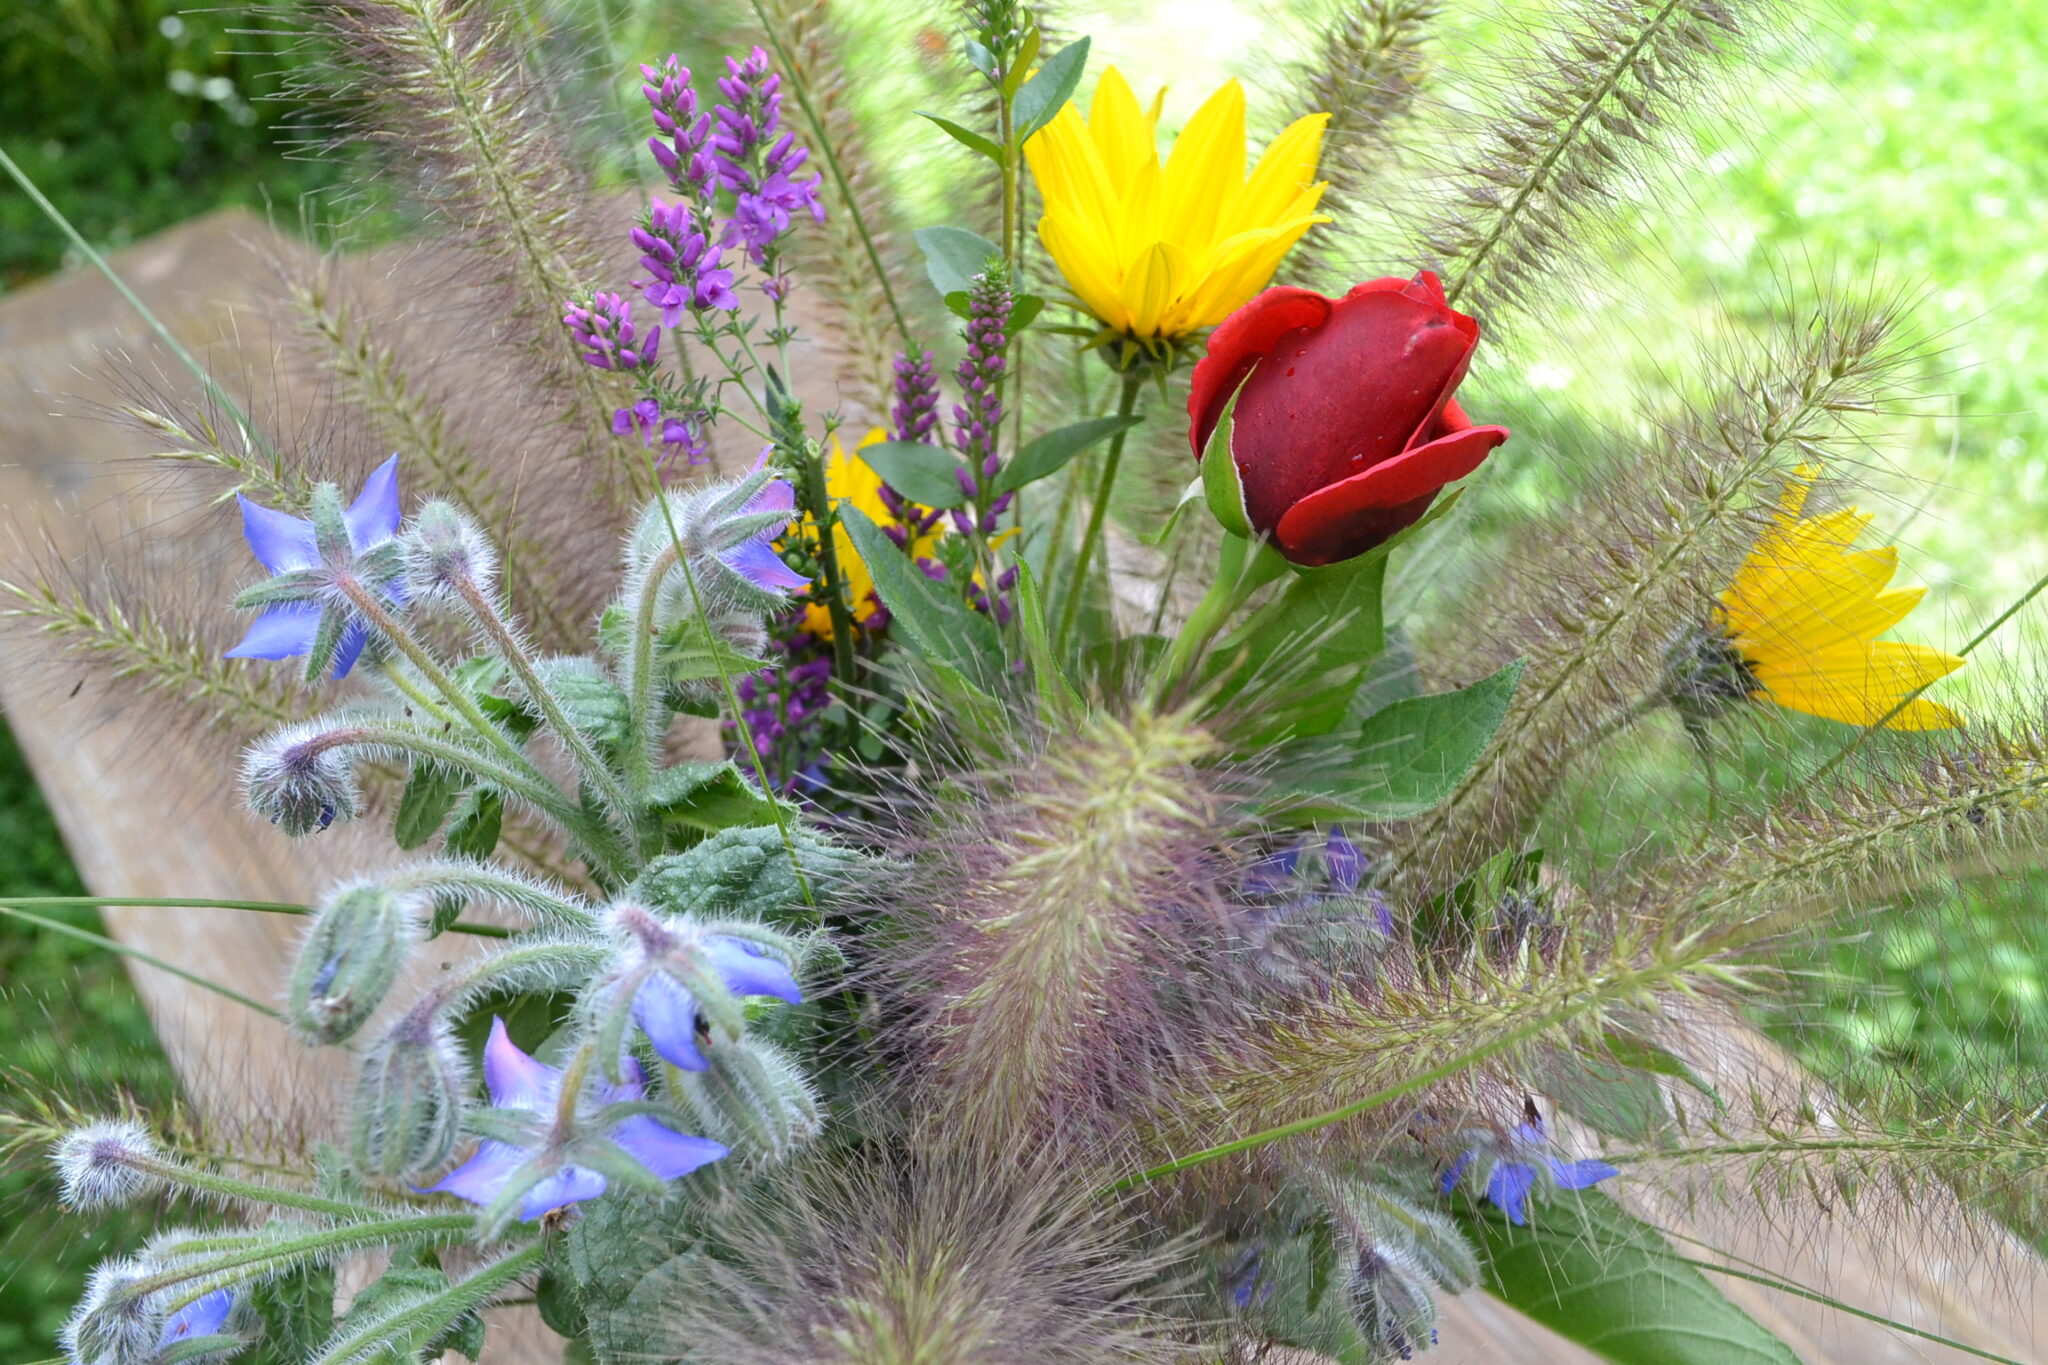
x,y
1798,626
1157,252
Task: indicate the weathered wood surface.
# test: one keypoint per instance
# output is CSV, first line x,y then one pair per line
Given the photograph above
x,y
149,810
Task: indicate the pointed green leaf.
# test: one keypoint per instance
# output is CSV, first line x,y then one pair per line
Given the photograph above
x,y
477,823
1403,760
954,256
936,624
923,473
431,792
1039,102
1594,1274
1053,687
1020,67
967,137
1047,454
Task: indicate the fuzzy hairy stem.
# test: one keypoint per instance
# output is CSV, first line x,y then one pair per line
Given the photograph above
x,y
1550,166
449,84
1049,936
1597,629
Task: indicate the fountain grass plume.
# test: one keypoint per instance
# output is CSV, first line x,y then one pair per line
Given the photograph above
x,y
1056,902
1669,529
1584,119
938,1256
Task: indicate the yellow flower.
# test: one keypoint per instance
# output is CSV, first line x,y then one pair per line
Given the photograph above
x,y
1161,252
850,481
1805,611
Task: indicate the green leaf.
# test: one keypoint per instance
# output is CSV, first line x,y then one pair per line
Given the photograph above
x,y
954,256
1306,650
1039,102
1048,453
981,59
937,626
708,796
923,473
1595,1275
1405,759
1020,68
297,1309
431,791
478,821
967,137
747,872
1054,688
1024,310
592,702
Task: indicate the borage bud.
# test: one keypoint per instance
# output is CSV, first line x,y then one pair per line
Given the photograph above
x,y
349,961
753,1098
102,1165
115,1323
407,1110
443,546
300,778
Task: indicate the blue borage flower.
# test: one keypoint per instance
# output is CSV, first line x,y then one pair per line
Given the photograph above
x,y
684,972
1518,1165
205,1316
1275,875
546,1167
305,612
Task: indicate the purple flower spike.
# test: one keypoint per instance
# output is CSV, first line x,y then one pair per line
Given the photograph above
x,y
915,412
1519,1164
604,328
682,265
682,145
754,162
518,1082
205,1316
289,547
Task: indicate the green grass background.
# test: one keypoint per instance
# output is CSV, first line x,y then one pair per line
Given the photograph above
x,y
1904,142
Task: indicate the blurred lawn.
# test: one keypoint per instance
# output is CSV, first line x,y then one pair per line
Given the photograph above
x,y
1903,142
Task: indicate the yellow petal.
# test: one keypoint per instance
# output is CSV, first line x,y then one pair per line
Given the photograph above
x,y
1206,170
1086,260
1150,285
1123,134
1287,167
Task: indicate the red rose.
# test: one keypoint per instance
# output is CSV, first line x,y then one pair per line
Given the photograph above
x,y
1346,429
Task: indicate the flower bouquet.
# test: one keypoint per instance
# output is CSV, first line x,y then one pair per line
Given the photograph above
x,y
983,867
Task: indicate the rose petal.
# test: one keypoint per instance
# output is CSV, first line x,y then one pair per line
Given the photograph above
x,y
1237,344
1351,516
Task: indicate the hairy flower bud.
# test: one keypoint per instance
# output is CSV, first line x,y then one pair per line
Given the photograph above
x,y
300,778
725,534
115,1323
101,1164
442,546
753,1097
407,1109
349,960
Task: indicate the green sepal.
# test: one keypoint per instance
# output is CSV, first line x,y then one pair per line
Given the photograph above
x,y
1222,485
294,585
330,527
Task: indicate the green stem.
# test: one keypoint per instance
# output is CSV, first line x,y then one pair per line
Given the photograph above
x,y
1242,568
599,772
173,903
1127,402
116,946
464,1296
1800,1291
826,519
345,1237
251,1191
250,433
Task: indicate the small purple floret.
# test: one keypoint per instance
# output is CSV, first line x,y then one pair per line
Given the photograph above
x,y
1514,1174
